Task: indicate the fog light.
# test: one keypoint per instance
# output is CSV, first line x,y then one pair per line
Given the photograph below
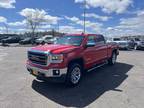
x,y
56,72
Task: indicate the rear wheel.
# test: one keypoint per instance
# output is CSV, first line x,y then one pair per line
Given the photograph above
x,y
74,74
113,59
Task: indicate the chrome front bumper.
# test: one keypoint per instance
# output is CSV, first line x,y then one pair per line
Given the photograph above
x,y
47,73
123,46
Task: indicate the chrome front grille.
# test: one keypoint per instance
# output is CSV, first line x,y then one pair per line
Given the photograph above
x,y
122,43
37,57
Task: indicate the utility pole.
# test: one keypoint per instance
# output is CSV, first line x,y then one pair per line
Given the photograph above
x,y
84,16
58,27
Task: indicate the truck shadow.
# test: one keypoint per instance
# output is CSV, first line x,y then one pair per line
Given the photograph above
x,y
93,85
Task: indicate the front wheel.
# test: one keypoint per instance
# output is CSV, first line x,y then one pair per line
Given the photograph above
x,y
135,47
74,74
113,59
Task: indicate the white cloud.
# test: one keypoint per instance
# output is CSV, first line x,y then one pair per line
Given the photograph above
x,y
93,15
129,26
45,27
74,19
109,6
3,19
1,28
134,22
70,29
95,26
7,3
39,14
51,19
18,23
140,13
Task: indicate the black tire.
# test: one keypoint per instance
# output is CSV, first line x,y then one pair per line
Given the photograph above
x,y
113,58
43,43
135,47
71,73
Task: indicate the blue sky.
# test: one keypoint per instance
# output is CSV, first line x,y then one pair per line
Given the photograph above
x,y
110,17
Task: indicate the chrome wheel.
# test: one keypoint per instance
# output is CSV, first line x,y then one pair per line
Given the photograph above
x,y
135,47
75,75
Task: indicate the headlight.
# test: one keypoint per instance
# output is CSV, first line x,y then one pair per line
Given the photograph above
x,y
57,58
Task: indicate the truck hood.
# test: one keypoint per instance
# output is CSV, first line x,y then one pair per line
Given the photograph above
x,y
121,41
55,49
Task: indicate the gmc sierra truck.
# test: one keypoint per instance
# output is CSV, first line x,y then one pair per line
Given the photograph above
x,y
70,56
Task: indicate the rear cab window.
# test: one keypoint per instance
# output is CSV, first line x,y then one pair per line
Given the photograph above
x,y
95,40
100,39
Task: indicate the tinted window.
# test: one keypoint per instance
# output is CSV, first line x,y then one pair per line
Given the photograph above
x,y
70,40
100,39
137,39
91,40
48,38
116,39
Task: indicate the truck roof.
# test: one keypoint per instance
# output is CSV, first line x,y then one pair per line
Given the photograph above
x,y
82,34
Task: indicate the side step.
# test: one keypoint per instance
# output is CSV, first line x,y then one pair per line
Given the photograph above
x,y
97,66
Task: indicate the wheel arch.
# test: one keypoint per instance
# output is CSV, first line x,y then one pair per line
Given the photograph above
x,y
80,61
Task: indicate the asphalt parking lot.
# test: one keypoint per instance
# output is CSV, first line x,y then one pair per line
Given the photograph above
x,y
118,86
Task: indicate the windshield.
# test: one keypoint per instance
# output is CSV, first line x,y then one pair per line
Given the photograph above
x,y
116,39
137,39
69,40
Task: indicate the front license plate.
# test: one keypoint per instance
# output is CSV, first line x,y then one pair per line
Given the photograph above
x,y
34,72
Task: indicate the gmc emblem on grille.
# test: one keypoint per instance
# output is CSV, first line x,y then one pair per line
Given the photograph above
x,y
34,58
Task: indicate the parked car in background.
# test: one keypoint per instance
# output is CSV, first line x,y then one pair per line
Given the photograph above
x,y
45,39
123,44
27,40
137,43
51,41
113,40
3,37
12,39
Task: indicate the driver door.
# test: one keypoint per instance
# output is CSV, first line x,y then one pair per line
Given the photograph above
x,y
89,53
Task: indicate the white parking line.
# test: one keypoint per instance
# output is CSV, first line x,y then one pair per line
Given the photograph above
x,y
2,54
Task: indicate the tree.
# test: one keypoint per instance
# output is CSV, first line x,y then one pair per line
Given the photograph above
x,y
3,20
36,18
6,27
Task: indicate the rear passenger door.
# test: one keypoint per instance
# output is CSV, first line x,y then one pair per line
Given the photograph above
x,y
101,48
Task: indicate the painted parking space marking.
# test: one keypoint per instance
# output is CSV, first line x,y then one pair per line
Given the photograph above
x,y
2,54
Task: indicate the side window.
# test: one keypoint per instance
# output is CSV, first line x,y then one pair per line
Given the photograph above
x,y
47,38
100,39
91,40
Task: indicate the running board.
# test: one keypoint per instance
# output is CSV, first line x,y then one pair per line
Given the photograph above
x,y
97,67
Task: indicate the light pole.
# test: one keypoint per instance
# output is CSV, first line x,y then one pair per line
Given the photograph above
x,y
58,27
84,16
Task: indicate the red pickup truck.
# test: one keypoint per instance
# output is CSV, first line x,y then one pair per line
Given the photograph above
x,y
70,56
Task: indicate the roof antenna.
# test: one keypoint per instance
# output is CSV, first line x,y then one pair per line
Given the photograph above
x,y
84,20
